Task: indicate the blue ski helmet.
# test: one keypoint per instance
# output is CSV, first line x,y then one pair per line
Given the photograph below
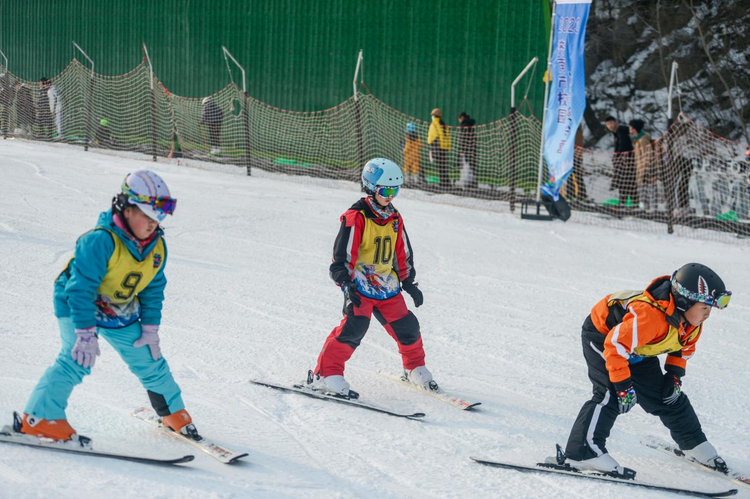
x,y
411,128
381,172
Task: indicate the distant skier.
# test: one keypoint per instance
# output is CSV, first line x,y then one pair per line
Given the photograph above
x,y
50,100
212,116
412,154
622,338
372,262
113,287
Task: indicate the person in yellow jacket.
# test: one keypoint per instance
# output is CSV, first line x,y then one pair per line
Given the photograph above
x,y
439,140
412,153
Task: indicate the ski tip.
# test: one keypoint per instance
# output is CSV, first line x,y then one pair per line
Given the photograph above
x,y
416,416
236,459
483,461
469,407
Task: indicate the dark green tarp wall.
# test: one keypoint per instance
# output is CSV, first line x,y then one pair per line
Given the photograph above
x,y
299,55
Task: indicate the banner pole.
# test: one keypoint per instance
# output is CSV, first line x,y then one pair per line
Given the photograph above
x,y
546,98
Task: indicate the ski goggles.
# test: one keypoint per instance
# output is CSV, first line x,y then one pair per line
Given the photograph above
x,y
387,192
720,301
163,204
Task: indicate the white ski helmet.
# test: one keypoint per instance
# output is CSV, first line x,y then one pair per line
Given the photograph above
x,y
381,172
148,191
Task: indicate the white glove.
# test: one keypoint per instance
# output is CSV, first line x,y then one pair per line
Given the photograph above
x,y
150,337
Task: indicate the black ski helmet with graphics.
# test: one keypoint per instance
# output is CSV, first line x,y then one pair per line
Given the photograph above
x,y
694,282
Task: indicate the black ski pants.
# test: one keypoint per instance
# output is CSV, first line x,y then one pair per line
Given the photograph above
x,y
597,416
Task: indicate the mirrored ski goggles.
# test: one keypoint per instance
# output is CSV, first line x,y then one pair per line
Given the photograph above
x,y
720,301
387,192
163,204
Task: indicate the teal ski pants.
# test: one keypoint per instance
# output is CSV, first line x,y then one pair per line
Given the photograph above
x,y
50,396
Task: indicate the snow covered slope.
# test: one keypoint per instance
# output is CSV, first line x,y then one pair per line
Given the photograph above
x,y
249,298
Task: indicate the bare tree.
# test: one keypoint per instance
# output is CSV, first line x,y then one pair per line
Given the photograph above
x,y
738,109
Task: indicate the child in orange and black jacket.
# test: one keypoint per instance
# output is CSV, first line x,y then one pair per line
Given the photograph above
x,y
622,338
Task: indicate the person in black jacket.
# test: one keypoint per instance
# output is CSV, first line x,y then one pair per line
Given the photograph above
x,y
25,109
467,151
212,116
7,94
623,162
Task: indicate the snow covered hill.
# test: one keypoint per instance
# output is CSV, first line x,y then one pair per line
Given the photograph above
x,y
630,48
249,298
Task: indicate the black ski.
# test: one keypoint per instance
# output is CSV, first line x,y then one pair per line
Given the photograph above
x,y
302,390
81,445
574,472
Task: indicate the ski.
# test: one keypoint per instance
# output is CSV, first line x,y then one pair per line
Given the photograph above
x,y
302,390
568,470
439,394
80,445
673,450
216,451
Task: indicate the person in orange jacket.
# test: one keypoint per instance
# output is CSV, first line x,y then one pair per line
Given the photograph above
x,y
622,338
412,152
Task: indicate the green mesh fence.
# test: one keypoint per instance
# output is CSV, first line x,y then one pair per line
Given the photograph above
x,y
687,181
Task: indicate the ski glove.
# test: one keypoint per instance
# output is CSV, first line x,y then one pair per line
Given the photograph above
x,y
86,348
626,396
413,289
150,337
350,293
671,389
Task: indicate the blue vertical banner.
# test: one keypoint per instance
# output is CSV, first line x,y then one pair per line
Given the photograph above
x,y
567,91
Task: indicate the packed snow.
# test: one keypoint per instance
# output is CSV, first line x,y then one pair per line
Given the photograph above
x,y
249,297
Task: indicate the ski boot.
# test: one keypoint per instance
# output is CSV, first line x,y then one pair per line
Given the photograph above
x,y
335,385
707,455
53,429
56,429
421,377
604,465
182,423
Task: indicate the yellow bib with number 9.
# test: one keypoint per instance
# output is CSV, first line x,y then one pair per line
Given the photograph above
x,y
126,276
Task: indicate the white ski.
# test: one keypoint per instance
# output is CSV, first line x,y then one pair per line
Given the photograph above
x,y
216,451
672,449
440,394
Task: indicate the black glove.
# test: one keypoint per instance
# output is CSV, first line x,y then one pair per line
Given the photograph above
x,y
350,293
413,289
626,396
671,389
